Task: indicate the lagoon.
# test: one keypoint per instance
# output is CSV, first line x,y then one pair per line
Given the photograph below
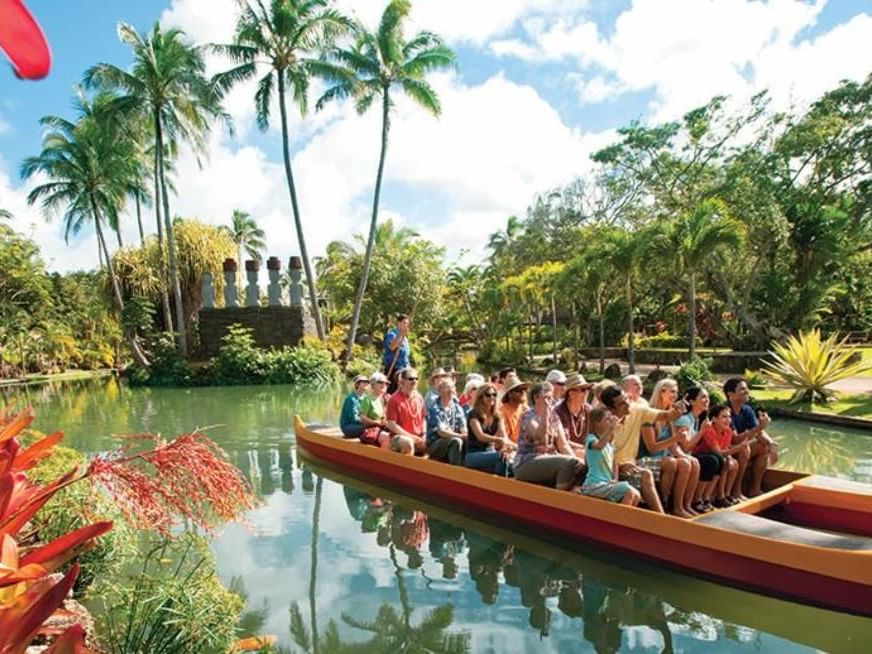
x,y
328,554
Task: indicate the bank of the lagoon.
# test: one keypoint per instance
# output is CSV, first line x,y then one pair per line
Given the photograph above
x,y
510,591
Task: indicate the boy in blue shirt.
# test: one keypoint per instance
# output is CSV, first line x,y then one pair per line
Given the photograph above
x,y
602,472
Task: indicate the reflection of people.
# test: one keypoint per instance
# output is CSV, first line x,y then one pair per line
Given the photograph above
x,y
446,542
486,559
397,351
600,629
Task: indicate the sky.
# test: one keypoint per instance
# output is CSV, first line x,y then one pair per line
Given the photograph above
x,y
539,86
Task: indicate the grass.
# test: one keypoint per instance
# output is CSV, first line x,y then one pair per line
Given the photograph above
x,y
32,378
855,406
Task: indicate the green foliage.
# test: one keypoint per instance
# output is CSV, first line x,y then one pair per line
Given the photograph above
x,y
755,379
808,364
664,339
694,372
168,367
170,600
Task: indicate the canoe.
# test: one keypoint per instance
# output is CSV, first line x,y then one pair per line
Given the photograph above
x,y
743,546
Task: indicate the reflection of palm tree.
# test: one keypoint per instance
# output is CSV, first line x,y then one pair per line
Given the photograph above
x,y
821,451
394,632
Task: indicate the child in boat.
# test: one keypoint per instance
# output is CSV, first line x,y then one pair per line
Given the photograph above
x,y
717,438
602,472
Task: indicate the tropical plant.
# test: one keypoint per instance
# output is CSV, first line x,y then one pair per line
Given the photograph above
x,y
809,363
90,170
166,83
246,236
366,73
289,36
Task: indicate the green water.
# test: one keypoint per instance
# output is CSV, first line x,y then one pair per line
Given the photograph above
x,y
336,556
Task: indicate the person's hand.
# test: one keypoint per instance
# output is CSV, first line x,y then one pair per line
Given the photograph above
x,y
579,466
679,408
632,469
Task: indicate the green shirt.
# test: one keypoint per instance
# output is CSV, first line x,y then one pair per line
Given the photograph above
x,y
372,408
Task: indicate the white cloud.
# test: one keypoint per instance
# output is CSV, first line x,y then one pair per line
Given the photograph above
x,y
4,126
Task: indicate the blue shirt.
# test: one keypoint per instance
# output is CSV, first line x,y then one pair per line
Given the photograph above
x,y
450,418
350,416
402,353
744,420
600,462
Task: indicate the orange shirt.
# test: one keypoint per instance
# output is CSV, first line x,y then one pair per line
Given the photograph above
x,y
711,440
512,420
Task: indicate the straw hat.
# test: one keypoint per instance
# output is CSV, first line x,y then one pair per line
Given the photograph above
x,y
512,382
438,372
377,377
577,380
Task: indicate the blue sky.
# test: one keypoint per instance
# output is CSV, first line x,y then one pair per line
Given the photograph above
x,y
539,86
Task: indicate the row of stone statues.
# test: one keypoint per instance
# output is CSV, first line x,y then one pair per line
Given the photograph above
x,y
274,289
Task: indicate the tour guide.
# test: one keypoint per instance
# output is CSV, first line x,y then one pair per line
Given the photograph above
x,y
397,351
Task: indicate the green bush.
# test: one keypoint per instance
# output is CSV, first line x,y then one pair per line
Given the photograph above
x,y
168,367
662,340
693,373
494,352
755,379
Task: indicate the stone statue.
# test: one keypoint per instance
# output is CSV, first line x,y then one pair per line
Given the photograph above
x,y
274,290
252,291
230,291
207,291
295,271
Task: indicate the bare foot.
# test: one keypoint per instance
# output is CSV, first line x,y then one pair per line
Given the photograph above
x,y
683,514
754,492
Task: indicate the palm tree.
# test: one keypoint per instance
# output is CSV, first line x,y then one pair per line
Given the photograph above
x,y
286,38
695,238
246,235
90,168
500,241
365,73
5,214
624,251
167,83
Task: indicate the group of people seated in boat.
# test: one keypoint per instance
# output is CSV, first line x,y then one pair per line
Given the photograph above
x,y
605,440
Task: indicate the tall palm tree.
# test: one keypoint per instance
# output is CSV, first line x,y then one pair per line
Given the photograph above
x,y
624,250
286,39
365,73
167,82
694,239
5,214
89,166
246,235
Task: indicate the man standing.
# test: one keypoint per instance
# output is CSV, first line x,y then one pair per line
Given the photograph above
x,y
397,351
406,416
746,427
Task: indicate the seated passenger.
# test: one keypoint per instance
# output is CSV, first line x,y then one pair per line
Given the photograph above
x,y
718,438
573,412
557,378
602,470
544,455
710,464
470,394
513,405
432,393
406,417
349,418
679,473
372,413
748,429
487,447
446,426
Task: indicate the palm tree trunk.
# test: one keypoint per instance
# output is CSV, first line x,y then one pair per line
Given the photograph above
x,y
313,565
118,236
304,254
691,302
239,269
139,219
181,329
631,336
100,257
164,294
138,354
370,239
602,334
554,325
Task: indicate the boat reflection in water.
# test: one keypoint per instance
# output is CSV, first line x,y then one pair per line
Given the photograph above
x,y
617,603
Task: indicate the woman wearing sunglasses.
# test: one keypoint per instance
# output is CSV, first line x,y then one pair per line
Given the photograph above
x,y
487,447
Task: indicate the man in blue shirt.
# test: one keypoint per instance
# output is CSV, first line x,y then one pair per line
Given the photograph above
x,y
746,427
397,351
349,418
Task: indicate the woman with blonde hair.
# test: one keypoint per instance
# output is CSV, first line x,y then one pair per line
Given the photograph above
x,y
679,472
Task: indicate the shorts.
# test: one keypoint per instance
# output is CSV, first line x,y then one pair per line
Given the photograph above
x,y
645,463
614,491
370,435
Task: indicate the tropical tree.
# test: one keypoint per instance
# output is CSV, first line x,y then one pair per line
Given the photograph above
x,y
695,239
89,167
246,236
624,251
167,82
377,62
285,39
5,214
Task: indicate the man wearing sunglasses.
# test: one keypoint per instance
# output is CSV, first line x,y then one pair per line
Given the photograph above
x,y
406,415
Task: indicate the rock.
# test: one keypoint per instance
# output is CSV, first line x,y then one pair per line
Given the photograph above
x,y
612,371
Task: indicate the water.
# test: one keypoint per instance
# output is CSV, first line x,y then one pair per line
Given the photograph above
x,y
336,556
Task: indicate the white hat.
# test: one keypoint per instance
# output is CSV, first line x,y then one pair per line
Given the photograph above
x,y
472,385
378,377
556,376
474,376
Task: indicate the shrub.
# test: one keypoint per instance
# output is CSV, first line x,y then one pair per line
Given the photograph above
x,y
693,373
168,367
755,379
662,340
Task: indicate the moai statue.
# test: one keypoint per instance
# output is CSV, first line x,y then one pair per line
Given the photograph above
x,y
252,291
207,291
295,269
273,290
230,292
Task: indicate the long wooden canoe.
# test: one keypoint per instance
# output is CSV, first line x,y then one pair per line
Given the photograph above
x,y
742,546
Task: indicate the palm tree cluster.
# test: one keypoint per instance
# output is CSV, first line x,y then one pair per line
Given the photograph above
x,y
132,123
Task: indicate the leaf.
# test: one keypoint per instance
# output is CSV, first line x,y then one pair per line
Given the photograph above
x,y
72,641
36,452
23,503
61,550
15,426
255,643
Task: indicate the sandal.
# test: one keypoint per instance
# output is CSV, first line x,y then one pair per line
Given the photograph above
x,y
722,503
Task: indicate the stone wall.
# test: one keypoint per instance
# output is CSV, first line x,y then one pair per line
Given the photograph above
x,y
271,326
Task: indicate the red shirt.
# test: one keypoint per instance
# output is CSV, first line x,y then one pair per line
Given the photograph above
x,y
711,439
408,412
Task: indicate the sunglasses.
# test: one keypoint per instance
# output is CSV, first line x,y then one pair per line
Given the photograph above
x,y
411,378
558,383
490,394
